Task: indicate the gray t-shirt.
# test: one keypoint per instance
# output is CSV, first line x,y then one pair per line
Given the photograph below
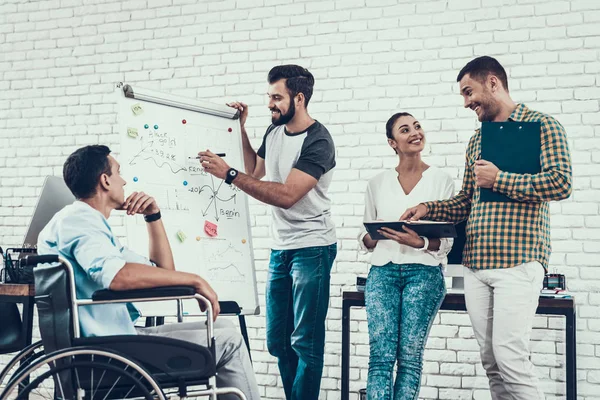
x,y
308,222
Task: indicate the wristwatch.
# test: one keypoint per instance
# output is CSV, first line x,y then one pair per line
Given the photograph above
x,y
426,245
232,173
152,217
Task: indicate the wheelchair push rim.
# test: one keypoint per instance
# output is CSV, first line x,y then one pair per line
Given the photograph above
x,y
19,387
21,361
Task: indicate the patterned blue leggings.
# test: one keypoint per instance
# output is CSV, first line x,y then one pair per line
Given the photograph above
x,y
402,301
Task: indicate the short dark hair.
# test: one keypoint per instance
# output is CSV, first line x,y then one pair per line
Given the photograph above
x,y
389,125
297,80
83,169
481,67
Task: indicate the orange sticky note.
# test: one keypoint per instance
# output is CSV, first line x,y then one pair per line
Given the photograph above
x,y
210,228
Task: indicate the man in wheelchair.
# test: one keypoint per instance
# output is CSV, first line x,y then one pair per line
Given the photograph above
x,y
80,233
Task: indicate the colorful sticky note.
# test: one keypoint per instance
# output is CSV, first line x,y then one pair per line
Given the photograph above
x,y
137,109
210,228
132,132
181,236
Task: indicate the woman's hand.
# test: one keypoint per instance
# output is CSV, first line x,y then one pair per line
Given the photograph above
x,y
368,242
408,237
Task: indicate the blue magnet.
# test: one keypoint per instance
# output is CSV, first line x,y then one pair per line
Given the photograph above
x,y
135,179
155,126
146,126
184,183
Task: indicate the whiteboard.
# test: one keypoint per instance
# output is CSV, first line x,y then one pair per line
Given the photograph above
x,y
160,136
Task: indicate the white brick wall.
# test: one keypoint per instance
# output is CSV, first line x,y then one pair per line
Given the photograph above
x,y
59,60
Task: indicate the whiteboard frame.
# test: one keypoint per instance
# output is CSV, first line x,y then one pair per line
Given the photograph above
x,y
217,110
185,103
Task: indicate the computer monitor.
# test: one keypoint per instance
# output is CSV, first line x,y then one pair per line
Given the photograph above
x,y
54,196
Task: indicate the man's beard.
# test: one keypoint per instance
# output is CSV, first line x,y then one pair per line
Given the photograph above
x,y
284,118
488,113
489,110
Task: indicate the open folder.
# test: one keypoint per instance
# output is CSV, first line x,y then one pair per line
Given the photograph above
x,y
429,229
512,146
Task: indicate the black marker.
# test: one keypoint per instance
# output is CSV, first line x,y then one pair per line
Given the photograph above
x,y
216,154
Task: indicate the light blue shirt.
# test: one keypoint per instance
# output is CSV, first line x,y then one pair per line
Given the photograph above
x,y
81,235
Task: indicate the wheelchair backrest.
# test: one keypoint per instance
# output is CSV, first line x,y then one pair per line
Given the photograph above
x,y
53,300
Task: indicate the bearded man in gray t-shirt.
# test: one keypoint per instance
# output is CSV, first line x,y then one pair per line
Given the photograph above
x,y
297,156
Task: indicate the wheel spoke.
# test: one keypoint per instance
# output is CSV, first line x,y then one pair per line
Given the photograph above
x,y
111,388
130,390
98,385
57,381
92,381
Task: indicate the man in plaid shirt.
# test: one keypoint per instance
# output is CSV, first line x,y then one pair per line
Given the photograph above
x,y
508,243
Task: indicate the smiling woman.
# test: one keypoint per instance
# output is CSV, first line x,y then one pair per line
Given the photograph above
x,y
405,286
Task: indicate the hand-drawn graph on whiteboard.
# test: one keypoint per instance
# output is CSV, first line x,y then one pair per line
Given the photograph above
x,y
206,220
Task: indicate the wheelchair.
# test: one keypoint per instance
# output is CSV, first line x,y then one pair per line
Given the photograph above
x,y
65,366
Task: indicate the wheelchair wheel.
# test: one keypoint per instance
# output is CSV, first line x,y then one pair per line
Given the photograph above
x,y
20,361
83,373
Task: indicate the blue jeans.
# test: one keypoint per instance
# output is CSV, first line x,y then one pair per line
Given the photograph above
x,y
297,302
402,301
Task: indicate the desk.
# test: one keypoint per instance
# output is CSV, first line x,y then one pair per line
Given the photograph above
x,y
23,294
456,302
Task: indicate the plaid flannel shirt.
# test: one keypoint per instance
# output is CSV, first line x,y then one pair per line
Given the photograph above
x,y
507,234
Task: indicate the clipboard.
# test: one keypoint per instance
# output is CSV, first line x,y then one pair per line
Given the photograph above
x,y
512,146
429,229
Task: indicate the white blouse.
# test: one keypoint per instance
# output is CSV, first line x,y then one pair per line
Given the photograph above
x,y
385,200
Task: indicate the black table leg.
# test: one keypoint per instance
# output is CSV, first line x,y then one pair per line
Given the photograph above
x,y
28,304
571,355
27,332
345,350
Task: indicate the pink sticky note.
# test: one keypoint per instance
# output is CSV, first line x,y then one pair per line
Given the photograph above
x,y
210,228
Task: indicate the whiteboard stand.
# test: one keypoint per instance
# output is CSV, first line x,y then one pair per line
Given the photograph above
x,y
207,222
232,308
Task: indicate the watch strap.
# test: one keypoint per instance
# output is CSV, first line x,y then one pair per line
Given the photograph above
x,y
152,217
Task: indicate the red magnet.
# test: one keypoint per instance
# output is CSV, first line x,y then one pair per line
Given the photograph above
x,y
184,121
229,130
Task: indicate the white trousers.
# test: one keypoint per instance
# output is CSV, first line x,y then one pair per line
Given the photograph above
x,y
501,304
233,362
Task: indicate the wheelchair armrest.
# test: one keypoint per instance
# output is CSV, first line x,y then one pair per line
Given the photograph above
x,y
157,292
33,260
230,307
